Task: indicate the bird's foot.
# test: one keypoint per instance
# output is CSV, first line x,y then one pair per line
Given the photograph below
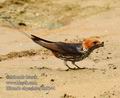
x,y
70,69
75,68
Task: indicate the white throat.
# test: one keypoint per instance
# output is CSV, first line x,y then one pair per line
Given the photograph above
x,y
84,48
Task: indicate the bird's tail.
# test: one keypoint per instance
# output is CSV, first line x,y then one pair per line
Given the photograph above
x,y
45,43
36,39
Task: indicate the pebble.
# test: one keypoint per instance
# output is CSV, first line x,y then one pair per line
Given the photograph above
x,y
52,80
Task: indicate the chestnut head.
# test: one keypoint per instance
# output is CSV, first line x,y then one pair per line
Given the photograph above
x,y
92,42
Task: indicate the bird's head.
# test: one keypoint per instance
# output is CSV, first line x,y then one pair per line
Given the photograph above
x,y
92,43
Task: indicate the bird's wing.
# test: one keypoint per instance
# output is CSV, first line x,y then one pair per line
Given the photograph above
x,y
69,48
61,47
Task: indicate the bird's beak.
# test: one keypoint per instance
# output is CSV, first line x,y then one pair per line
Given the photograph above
x,y
101,44
98,45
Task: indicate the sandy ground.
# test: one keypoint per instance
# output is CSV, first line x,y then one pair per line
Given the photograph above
x,y
20,56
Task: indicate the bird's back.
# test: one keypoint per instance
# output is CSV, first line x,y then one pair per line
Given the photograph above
x,y
60,47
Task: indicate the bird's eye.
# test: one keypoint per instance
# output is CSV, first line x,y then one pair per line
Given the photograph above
x,y
95,42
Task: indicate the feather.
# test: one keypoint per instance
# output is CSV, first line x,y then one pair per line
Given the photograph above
x,y
61,47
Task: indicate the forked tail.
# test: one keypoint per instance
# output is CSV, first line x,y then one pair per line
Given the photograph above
x,y
36,39
45,43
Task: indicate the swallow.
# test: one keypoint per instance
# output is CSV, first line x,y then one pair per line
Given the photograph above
x,y
72,52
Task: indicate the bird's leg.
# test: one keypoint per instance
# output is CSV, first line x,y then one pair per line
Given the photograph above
x,y
77,66
65,62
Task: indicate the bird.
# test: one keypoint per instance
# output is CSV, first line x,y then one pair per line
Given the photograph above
x,y
72,52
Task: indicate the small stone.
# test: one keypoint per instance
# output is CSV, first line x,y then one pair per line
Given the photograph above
x,y
22,24
1,77
94,97
47,93
43,58
97,52
109,57
115,68
31,67
65,95
43,74
52,80
109,53
1,6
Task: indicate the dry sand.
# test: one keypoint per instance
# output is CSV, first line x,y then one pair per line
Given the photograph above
x,y
78,19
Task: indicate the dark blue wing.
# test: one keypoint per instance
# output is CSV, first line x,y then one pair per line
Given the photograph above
x,y
69,48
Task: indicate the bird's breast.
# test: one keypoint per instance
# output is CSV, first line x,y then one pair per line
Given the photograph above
x,y
70,57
